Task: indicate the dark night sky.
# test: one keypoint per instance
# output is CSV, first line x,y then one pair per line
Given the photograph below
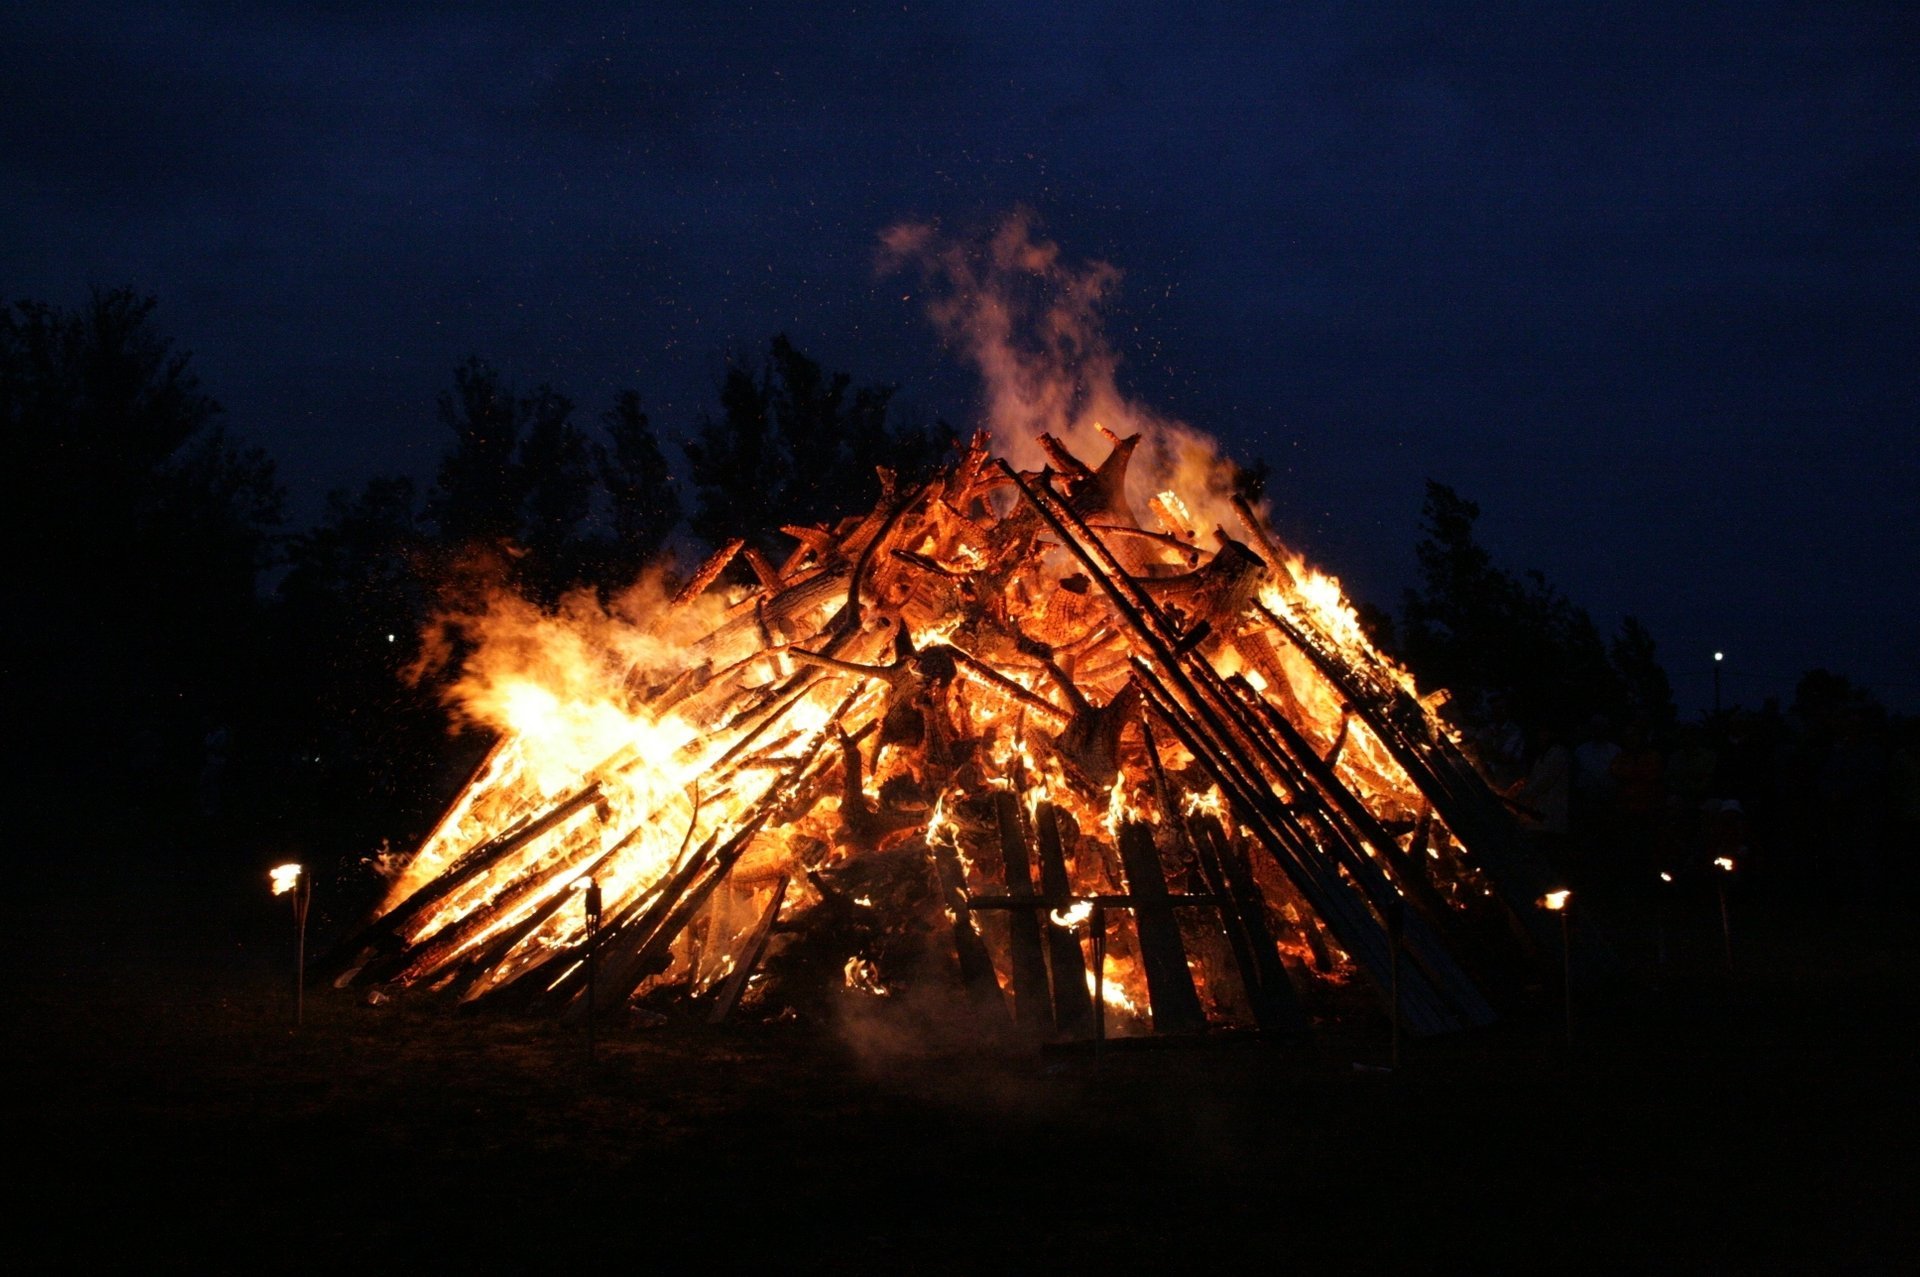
x,y
1641,282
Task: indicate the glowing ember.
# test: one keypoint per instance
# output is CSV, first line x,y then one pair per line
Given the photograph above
x,y
861,975
1073,915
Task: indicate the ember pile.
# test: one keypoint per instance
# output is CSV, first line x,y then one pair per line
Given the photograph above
x,y
1103,775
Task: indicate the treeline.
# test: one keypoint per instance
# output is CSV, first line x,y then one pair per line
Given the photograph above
x,y
1821,795
222,681
190,672
1517,657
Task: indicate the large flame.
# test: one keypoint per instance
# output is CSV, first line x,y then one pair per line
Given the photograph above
x,y
635,738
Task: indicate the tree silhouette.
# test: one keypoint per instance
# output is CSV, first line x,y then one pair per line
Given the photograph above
x,y
134,605
518,477
1486,633
557,478
1647,693
738,471
357,746
477,496
643,505
794,444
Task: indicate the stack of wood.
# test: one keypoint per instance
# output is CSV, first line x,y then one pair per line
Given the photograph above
x,y
1126,773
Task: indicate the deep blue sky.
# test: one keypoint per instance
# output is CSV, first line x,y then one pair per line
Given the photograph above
x,y
1641,282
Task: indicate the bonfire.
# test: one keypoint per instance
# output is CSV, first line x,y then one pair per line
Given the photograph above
x,y
1064,727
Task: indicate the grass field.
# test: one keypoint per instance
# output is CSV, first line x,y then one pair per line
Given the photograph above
x,y
162,1113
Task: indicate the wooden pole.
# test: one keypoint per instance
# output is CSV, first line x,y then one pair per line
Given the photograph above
x,y
750,958
1566,967
302,899
1726,922
1031,1001
1099,923
1072,1008
593,948
1174,1003
1396,932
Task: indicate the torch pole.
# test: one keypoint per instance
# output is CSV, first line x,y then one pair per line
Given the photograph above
x,y
593,947
1099,920
1661,914
1566,968
1396,929
302,898
1726,926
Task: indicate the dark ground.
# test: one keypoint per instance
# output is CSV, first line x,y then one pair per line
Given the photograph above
x,y
164,1114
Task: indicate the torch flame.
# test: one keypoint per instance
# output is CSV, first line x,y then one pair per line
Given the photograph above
x,y
284,878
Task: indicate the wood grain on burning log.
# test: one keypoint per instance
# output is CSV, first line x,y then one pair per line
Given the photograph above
x,y
1331,896
985,673
385,932
1187,552
743,636
708,573
1193,690
754,951
850,613
1456,791
1072,1005
1032,1001
1170,992
1275,1007
970,951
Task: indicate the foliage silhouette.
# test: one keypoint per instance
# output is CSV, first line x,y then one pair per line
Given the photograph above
x,y
1514,646
794,444
135,606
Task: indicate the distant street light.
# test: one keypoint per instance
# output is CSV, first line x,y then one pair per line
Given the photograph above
x,y
1718,657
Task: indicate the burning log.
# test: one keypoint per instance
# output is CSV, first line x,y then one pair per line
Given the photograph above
x,y
976,965
1175,1005
1276,1007
756,948
709,572
1072,1005
1242,912
1031,998
381,938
